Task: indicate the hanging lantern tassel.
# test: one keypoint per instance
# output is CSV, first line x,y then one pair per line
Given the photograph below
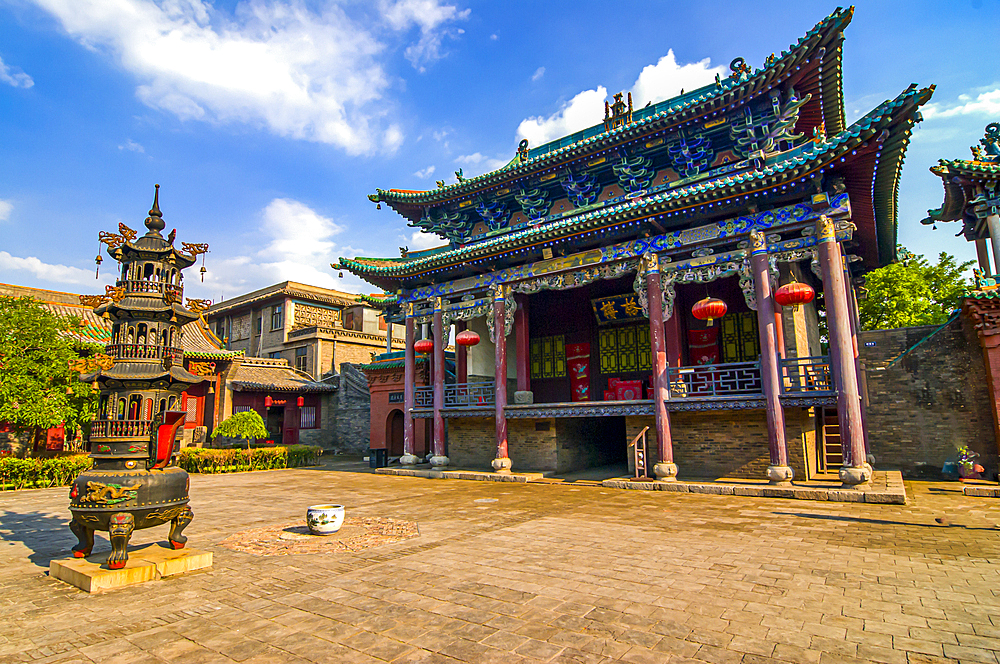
x,y
98,260
203,270
709,309
794,294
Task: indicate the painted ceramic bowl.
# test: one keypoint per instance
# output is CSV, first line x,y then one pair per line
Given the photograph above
x,y
324,519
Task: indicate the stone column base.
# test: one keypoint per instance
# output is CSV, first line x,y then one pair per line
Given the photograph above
x,y
439,461
665,472
779,474
501,465
852,476
409,460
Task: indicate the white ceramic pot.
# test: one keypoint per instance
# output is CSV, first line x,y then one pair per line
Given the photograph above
x,y
325,519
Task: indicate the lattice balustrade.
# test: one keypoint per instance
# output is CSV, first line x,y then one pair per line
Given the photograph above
x,y
120,428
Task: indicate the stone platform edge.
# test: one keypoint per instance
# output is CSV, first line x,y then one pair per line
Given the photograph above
x,y
982,491
893,494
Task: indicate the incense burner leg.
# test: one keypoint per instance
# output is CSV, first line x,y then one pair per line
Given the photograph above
x,y
120,528
85,536
176,539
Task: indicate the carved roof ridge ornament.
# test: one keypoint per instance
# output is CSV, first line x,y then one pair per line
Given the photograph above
x,y
617,113
990,145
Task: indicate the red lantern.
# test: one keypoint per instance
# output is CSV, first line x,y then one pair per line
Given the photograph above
x,y
709,309
794,294
424,346
300,402
268,401
467,338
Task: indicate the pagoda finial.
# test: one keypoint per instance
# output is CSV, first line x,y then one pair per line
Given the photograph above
x,y
154,222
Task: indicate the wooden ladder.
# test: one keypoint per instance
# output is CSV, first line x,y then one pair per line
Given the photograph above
x,y
638,447
831,451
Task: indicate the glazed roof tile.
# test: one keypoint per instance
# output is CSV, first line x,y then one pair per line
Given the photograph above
x,y
256,374
590,139
799,159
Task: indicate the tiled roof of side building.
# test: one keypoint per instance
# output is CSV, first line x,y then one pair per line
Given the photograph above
x,y
260,374
825,35
285,289
794,165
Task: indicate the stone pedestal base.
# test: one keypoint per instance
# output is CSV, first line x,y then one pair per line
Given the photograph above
x,y
91,574
665,472
409,460
779,474
501,465
852,476
439,461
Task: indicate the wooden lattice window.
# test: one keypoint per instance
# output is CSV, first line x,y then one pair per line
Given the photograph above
x,y
624,349
548,357
740,340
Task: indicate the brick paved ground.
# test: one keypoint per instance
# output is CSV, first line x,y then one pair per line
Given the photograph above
x,y
555,573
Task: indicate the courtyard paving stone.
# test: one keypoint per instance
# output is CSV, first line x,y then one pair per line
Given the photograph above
x,y
548,572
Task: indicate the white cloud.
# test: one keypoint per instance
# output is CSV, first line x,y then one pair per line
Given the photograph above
x,y
132,146
6,207
655,83
479,163
666,78
14,76
987,102
421,240
580,112
306,74
538,74
63,274
493,37
429,16
298,247
425,172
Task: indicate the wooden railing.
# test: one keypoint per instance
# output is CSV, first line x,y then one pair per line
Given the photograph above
x,y
143,352
734,379
470,395
806,374
120,428
423,397
144,286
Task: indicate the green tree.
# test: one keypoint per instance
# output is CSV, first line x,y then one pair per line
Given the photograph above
x,y
247,425
912,292
38,387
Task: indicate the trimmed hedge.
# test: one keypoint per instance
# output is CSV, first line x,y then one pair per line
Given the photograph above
x,y
40,473
212,461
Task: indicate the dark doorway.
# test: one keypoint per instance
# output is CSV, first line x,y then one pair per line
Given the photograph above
x,y
275,423
610,440
394,433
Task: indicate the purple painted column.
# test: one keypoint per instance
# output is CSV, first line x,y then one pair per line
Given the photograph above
x,y
778,472
439,459
666,469
855,470
501,463
409,386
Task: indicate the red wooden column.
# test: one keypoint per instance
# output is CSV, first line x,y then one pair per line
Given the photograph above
x,y
672,340
461,355
522,350
501,463
855,470
852,305
409,388
439,459
666,469
778,472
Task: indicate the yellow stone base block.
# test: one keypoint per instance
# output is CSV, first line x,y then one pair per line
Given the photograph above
x,y
145,564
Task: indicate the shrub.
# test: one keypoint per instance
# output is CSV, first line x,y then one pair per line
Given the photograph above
x,y
212,461
39,473
245,425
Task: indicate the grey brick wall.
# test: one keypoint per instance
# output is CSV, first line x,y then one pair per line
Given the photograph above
x,y
930,403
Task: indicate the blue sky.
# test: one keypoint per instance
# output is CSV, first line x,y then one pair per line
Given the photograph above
x,y
268,121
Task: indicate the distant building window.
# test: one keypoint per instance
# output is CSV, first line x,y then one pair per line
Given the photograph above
x,y
349,320
260,322
276,355
277,317
301,358
307,417
242,409
382,324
